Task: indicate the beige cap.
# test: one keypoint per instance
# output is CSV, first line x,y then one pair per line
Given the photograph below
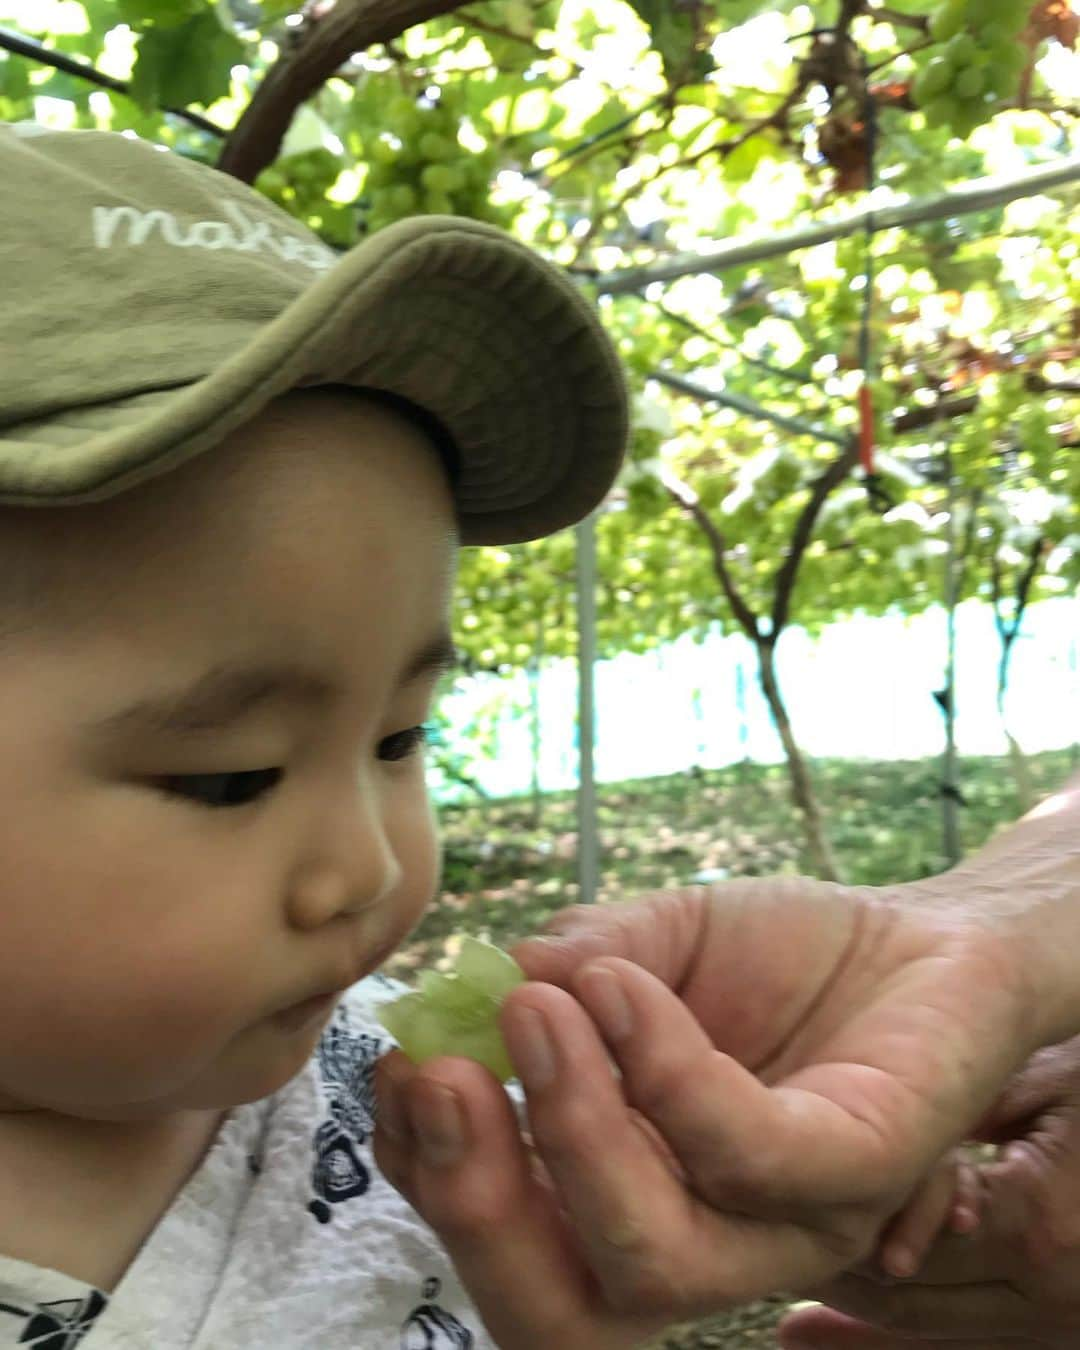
x,y
150,305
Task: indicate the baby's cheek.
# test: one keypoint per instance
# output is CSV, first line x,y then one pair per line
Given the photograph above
x,y
102,1042
417,845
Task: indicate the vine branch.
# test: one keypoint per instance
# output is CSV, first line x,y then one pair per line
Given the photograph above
x,y
685,497
328,39
833,476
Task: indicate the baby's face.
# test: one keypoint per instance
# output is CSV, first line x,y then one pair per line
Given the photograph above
x,y
166,891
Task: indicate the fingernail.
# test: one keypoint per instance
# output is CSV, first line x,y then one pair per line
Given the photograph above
x,y
535,1055
606,995
440,1125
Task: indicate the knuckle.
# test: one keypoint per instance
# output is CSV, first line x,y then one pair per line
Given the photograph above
x,y
665,1083
737,1175
572,917
563,1135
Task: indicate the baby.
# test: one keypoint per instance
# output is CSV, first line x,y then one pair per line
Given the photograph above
x,y
234,474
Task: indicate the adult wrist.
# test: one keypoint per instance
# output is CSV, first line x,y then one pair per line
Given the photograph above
x,y
1026,883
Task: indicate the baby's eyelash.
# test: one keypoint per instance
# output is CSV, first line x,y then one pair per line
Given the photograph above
x,y
402,744
238,788
252,783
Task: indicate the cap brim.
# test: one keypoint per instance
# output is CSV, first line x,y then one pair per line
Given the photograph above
x,y
455,316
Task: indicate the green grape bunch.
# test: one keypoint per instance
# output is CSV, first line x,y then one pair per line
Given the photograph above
x,y
418,166
976,62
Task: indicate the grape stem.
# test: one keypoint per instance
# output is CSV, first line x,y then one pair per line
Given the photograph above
x,y
907,51
899,19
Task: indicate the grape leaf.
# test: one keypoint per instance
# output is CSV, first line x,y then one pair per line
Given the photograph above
x,y
675,34
191,63
14,79
144,14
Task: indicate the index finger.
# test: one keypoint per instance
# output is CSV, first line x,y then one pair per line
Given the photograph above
x,y
661,932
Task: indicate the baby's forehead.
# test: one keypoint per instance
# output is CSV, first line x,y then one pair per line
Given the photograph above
x,y
314,461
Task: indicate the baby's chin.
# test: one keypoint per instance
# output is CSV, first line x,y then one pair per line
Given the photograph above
x,y
256,1064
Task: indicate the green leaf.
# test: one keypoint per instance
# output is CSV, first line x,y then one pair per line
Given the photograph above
x,y
189,64
273,10
739,166
675,35
144,14
14,78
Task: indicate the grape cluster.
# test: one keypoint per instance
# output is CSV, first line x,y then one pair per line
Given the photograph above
x,y
417,166
977,62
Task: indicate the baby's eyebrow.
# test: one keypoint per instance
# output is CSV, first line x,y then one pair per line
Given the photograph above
x,y
234,689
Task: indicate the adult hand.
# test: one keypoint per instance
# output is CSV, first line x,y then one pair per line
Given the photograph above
x,y
794,1057
1015,1281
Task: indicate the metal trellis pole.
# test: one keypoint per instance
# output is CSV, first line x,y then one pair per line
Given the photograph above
x,y
588,849
950,787
976,195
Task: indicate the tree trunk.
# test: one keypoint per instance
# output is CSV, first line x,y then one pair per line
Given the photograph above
x,y
1008,630
1021,769
802,790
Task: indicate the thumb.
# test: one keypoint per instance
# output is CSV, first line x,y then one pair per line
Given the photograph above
x,y
814,1327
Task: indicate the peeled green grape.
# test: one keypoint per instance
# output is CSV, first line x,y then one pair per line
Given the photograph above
x,y
457,1013
488,968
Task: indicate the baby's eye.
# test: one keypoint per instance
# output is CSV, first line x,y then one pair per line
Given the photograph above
x,y
222,789
402,744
